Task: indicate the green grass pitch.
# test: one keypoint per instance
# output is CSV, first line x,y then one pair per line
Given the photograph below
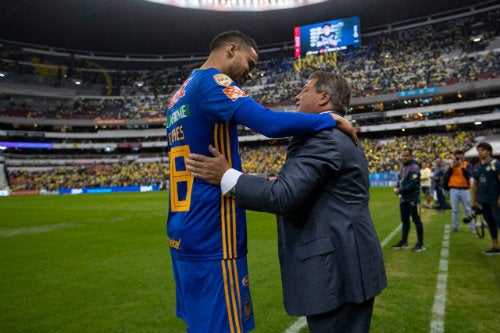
x,y
100,263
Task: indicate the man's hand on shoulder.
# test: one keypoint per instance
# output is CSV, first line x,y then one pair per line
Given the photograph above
x,y
345,126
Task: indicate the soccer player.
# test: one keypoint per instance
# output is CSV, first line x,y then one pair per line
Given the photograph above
x,y
206,231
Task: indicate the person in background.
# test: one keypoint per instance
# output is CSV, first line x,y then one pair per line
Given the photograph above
x,y
439,169
408,191
458,176
425,182
331,261
486,192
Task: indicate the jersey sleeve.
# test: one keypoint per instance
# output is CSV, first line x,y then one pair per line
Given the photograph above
x,y
280,124
224,101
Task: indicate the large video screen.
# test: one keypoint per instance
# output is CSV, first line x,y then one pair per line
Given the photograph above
x,y
335,35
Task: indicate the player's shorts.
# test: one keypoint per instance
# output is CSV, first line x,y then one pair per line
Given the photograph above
x,y
213,296
425,189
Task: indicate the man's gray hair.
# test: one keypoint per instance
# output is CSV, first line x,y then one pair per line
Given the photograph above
x,y
337,86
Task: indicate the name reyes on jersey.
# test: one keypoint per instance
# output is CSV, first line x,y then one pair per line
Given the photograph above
x,y
177,133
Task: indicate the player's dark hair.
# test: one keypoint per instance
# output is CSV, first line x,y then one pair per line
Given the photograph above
x,y
233,36
486,146
337,86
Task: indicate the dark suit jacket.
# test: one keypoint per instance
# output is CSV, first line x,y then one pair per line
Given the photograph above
x,y
328,247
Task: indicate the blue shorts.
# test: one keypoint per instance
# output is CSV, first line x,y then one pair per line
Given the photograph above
x,y
213,296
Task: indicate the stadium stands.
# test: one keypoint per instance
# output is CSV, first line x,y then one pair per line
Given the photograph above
x,y
410,88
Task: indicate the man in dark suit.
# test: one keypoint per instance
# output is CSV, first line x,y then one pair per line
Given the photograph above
x,y
331,260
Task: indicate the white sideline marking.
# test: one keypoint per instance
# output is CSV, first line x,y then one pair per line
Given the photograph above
x,y
297,325
439,307
388,238
302,322
35,230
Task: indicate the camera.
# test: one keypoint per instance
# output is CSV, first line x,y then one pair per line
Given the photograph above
x,y
477,211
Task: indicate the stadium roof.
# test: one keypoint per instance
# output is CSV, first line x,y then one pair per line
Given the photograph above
x,y
145,27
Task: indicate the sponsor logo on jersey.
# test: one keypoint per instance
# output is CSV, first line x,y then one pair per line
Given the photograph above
x,y
245,281
234,93
179,113
248,309
223,80
179,94
176,244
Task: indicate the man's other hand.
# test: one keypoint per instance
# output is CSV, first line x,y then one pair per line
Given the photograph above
x,y
210,169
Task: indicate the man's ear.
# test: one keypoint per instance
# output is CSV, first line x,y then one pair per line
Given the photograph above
x,y
231,49
325,98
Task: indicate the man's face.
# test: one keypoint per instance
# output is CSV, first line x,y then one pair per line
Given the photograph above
x,y
242,64
482,153
459,157
405,156
307,101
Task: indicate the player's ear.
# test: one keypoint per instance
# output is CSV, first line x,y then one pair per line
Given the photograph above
x,y
231,49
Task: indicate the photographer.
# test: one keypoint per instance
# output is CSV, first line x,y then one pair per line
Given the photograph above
x,y
486,191
456,179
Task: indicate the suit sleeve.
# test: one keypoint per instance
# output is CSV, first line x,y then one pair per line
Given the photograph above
x,y
301,177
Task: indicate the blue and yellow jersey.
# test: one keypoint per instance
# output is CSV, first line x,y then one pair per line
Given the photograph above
x,y
202,224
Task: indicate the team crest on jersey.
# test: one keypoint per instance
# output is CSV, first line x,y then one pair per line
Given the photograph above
x,y
414,176
223,80
234,93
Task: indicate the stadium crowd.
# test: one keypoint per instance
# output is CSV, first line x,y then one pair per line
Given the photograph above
x,y
265,159
98,174
467,50
382,155
398,61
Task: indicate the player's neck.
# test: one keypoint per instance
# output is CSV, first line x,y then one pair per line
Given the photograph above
x,y
209,64
213,61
